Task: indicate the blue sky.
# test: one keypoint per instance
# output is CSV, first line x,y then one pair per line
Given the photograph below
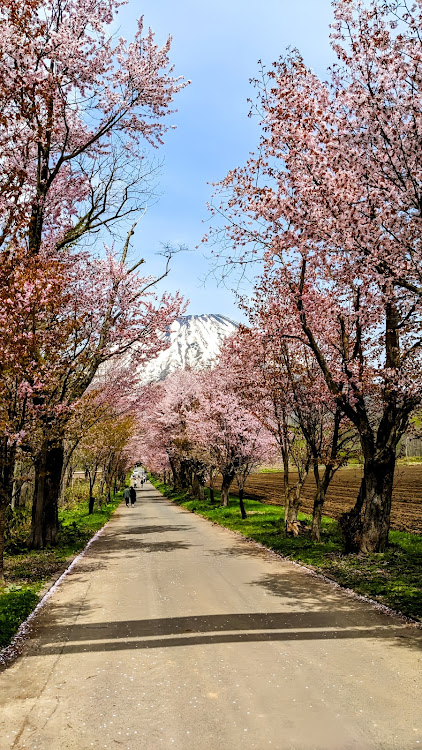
x,y
217,47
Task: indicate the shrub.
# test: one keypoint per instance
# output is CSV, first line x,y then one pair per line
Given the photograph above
x,y
18,522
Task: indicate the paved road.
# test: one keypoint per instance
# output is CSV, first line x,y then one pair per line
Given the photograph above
x,y
173,633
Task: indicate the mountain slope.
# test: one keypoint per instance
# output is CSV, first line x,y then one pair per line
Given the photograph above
x,y
195,341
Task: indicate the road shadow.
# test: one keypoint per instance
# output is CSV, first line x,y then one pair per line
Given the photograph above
x,y
294,584
241,547
122,544
140,530
213,629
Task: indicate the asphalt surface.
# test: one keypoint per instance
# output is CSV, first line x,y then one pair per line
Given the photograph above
x,y
174,633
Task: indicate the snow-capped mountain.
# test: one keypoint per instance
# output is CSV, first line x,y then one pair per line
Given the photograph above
x,y
195,342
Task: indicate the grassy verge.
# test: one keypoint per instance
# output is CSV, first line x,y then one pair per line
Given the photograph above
x,y
27,573
392,578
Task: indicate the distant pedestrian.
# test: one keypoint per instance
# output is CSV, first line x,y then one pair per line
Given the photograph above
x,y
142,481
132,496
126,495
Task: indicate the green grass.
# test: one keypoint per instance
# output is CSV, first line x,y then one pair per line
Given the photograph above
x,y
26,573
15,606
392,578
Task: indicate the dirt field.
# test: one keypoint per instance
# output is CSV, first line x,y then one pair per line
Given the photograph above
x,y
407,498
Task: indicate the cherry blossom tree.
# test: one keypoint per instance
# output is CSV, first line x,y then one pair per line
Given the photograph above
x,y
77,105
77,108
197,424
332,204
163,425
277,380
262,384
235,440
107,311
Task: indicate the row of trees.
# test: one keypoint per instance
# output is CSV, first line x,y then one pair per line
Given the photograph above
x,y
263,401
77,109
193,427
331,206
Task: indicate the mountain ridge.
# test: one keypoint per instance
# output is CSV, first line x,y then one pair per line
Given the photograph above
x,y
196,341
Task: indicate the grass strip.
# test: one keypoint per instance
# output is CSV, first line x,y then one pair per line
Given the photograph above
x,y
392,578
28,572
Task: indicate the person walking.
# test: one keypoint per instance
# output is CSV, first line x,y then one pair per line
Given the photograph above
x,y
126,495
132,492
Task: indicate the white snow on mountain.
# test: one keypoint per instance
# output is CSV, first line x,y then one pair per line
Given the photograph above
x,y
195,342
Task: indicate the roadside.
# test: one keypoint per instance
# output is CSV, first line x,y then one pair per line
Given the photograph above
x,y
30,574
392,578
172,632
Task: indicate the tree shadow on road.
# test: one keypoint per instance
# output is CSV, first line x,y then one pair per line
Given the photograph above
x,y
158,529
214,629
295,585
123,545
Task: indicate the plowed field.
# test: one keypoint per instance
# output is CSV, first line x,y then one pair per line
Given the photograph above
x,y
407,497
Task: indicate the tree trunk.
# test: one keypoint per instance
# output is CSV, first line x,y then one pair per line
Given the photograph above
x,y
92,480
7,470
184,475
225,487
212,498
201,492
295,496
365,527
379,478
241,505
48,472
319,500
293,506
175,474
2,531
91,499
323,484
351,522
195,485
286,486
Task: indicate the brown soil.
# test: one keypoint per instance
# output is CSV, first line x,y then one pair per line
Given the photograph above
x,y
406,512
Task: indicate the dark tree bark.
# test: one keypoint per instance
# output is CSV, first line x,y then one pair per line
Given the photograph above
x,y
366,526
92,477
195,485
225,487
2,532
351,522
184,475
7,466
379,478
175,474
241,505
48,472
91,502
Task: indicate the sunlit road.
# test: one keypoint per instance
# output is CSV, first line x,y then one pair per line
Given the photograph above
x,y
174,633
